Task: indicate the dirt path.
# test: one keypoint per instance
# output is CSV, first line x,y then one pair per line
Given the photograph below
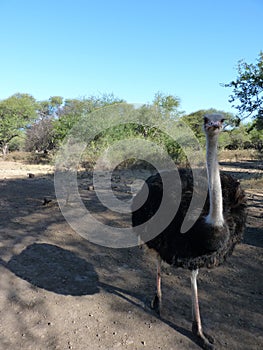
x,y
58,291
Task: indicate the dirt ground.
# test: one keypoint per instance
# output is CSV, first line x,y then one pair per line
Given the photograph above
x,y
59,291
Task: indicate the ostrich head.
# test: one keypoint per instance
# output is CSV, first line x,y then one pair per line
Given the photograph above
x,y
213,124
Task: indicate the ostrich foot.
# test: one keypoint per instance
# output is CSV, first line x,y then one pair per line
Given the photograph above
x,y
205,341
156,304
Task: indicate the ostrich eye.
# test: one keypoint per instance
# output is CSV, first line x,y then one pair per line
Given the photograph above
x,y
222,120
205,120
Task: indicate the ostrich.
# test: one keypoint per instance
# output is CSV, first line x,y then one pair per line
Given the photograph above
x,y
213,236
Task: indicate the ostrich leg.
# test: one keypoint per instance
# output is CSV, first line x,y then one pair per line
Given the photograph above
x,y
203,340
157,300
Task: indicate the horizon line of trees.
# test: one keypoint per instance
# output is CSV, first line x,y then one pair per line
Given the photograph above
x,y
31,125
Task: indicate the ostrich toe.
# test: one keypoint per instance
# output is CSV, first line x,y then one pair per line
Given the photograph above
x,y
205,341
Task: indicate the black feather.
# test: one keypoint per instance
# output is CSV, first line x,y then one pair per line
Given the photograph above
x,y
202,245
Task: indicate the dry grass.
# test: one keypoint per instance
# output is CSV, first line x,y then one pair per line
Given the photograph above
x,y
247,165
239,155
29,157
253,183
18,156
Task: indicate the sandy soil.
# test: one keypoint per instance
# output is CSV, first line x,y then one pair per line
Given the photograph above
x,y
59,291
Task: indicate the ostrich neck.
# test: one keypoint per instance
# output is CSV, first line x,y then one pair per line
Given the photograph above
x,y
215,216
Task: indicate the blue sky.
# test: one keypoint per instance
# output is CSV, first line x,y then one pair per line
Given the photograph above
x,y
131,48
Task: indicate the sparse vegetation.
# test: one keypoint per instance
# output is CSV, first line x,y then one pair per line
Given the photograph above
x,y
53,120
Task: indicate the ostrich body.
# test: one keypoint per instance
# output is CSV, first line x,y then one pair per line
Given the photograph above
x,y
213,236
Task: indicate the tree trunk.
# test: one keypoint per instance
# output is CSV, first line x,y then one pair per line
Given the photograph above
x,y
5,150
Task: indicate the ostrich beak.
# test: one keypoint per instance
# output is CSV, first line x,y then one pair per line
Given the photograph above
x,y
215,124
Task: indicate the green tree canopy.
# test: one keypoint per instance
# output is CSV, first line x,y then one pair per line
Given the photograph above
x,y
50,107
167,104
16,112
247,94
73,109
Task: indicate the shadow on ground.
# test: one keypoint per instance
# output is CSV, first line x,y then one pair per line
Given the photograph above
x,y
55,269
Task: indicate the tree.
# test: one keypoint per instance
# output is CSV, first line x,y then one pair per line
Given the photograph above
x,y
247,95
238,138
256,138
40,136
50,107
167,104
255,132
73,109
16,112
